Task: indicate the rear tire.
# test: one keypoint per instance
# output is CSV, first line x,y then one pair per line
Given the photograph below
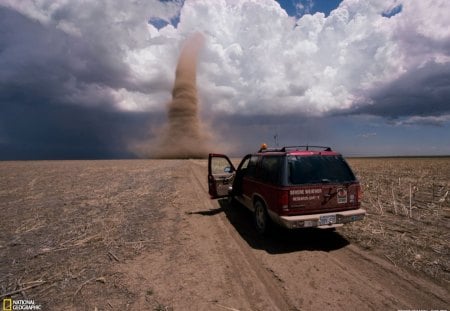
x,y
262,219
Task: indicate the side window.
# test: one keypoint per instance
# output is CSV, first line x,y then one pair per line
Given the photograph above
x,y
218,165
251,168
244,164
271,169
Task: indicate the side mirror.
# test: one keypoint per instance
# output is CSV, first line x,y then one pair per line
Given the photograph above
x,y
228,169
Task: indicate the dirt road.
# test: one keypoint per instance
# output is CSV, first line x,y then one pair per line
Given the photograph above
x,y
144,235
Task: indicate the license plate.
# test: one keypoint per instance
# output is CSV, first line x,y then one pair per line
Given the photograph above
x,y
327,219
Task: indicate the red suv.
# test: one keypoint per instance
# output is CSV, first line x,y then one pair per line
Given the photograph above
x,y
295,187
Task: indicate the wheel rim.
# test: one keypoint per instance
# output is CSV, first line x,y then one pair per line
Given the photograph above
x,y
260,217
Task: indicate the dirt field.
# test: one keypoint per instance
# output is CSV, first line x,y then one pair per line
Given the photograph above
x,y
144,235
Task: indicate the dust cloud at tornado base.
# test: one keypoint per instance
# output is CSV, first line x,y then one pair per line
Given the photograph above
x,y
184,136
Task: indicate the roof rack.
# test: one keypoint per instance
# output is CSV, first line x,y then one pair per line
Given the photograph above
x,y
271,150
297,148
306,147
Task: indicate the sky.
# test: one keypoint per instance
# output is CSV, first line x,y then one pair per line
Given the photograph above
x,y
92,79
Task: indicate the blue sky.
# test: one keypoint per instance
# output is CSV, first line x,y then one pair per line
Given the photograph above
x,y
92,79
294,8
298,8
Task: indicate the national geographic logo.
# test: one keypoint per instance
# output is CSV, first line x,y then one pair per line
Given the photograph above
x,y
7,304
20,304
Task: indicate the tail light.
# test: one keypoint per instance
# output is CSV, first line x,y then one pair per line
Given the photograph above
x,y
359,194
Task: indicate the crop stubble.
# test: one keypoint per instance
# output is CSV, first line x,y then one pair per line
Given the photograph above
x,y
66,222
408,212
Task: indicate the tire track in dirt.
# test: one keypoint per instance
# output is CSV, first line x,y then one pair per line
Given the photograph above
x,y
345,278
254,279
425,291
200,266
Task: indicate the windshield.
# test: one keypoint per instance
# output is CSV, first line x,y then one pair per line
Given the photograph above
x,y
318,169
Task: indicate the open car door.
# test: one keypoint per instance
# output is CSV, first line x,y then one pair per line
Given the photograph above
x,y
221,174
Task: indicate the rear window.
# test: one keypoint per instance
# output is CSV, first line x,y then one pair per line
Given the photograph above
x,y
318,169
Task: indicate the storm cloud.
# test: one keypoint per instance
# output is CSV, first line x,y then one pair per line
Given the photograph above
x,y
89,79
423,91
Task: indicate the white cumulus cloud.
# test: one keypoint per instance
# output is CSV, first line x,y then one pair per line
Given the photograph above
x,y
259,60
256,58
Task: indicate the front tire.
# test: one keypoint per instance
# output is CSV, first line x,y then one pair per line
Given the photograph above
x,y
262,219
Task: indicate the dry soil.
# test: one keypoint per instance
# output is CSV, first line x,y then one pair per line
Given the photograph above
x,y
144,235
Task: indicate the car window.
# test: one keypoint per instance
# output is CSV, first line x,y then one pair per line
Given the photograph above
x,y
270,169
318,169
244,163
218,165
251,168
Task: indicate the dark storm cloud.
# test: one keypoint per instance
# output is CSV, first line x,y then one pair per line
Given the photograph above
x,y
55,94
54,62
437,121
56,131
421,92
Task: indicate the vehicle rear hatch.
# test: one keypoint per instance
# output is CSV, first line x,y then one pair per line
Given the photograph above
x,y
320,183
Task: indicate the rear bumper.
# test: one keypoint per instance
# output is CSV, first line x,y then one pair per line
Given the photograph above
x,y
323,220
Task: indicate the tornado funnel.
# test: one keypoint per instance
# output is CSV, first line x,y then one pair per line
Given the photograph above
x,y
183,137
